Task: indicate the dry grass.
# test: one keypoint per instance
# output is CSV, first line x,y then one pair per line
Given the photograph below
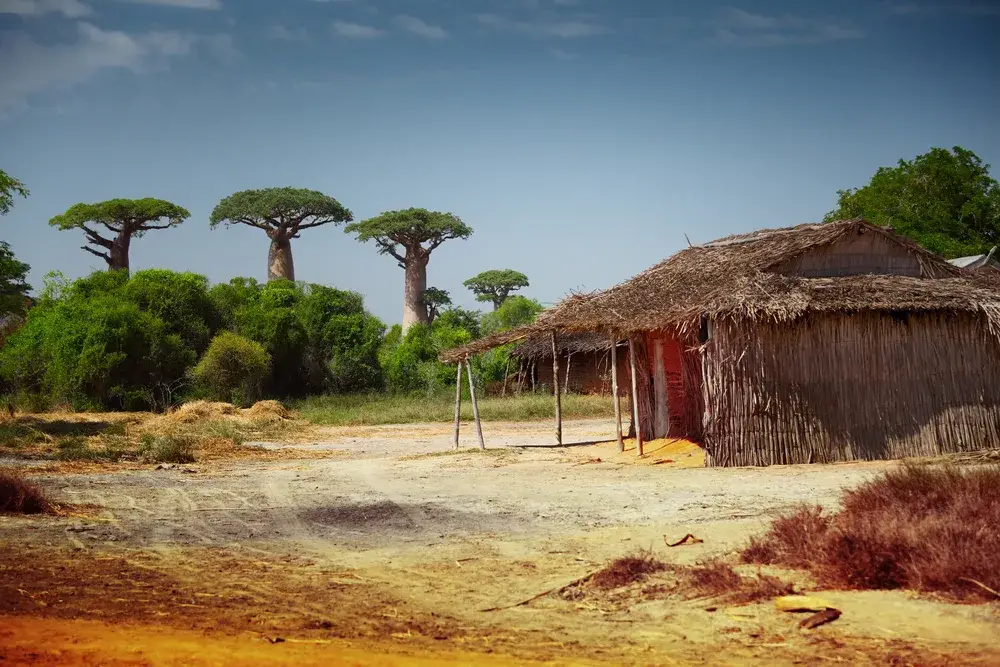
x,y
19,497
718,579
926,528
627,570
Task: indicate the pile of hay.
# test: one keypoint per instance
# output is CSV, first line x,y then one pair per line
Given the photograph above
x,y
19,497
196,411
267,411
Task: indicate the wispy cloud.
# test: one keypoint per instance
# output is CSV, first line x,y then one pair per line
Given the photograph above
x,y
934,8
280,33
559,54
69,8
28,68
185,4
738,27
565,29
420,27
356,30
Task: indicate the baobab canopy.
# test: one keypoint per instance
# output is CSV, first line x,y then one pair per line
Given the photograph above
x,y
125,218
282,213
403,235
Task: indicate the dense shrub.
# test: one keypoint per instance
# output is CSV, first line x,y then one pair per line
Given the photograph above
x,y
919,527
233,369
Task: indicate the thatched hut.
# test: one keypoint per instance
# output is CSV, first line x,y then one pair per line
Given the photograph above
x,y
823,342
584,362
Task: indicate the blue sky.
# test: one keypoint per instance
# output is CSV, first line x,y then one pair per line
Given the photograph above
x,y
581,139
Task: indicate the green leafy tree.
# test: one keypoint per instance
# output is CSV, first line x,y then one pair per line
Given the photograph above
x,y
233,369
282,213
495,286
410,236
514,312
9,187
435,299
945,200
460,318
13,283
124,219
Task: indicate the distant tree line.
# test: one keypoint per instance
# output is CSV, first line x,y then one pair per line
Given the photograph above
x,y
144,340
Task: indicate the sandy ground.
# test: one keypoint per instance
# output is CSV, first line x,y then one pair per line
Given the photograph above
x,y
388,552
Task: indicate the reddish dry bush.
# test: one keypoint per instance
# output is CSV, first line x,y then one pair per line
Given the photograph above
x,y
626,570
918,527
718,579
19,497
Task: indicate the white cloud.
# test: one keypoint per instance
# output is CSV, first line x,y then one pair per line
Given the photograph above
x,y
420,27
356,30
738,27
548,28
72,9
282,34
186,4
28,68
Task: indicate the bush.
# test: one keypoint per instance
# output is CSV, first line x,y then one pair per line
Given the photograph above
x,y
919,527
233,369
19,497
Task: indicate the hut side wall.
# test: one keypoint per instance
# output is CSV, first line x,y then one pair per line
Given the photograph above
x,y
589,372
850,387
859,254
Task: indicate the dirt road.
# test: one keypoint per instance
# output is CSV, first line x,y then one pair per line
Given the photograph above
x,y
396,544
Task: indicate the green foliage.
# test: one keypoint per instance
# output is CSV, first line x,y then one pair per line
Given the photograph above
x,y
409,228
9,187
409,362
13,286
233,369
434,299
495,286
945,200
320,338
457,317
279,208
181,300
514,312
133,216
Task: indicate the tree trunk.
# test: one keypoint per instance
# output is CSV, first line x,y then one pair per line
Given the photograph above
x,y
414,310
119,252
279,260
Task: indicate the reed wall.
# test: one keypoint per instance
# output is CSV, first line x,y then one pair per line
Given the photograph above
x,y
850,387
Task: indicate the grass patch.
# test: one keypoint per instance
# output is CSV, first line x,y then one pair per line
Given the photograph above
x,y
379,409
19,497
718,579
925,528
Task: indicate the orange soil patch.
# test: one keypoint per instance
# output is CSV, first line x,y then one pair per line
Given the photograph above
x,y
673,452
34,641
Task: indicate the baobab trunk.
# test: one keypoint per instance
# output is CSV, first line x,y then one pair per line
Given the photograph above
x,y
118,253
414,310
279,260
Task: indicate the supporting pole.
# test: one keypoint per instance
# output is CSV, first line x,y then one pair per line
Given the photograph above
x,y
458,402
506,372
555,388
569,362
614,393
635,396
520,376
534,377
475,405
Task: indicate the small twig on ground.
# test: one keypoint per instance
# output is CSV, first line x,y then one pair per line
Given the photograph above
x,y
558,589
687,539
981,585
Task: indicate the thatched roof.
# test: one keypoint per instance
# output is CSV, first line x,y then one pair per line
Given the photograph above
x,y
540,346
736,277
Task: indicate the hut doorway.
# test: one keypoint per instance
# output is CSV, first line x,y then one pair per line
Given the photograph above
x,y
676,396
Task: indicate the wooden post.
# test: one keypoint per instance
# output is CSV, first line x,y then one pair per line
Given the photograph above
x,y
614,392
458,402
569,362
635,396
661,415
555,388
520,376
534,377
475,405
506,372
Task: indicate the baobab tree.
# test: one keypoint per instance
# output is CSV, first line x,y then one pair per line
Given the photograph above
x,y
410,236
434,299
282,213
126,219
495,285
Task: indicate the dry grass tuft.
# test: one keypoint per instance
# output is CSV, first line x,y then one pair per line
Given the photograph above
x,y
19,497
268,411
926,528
627,570
717,579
